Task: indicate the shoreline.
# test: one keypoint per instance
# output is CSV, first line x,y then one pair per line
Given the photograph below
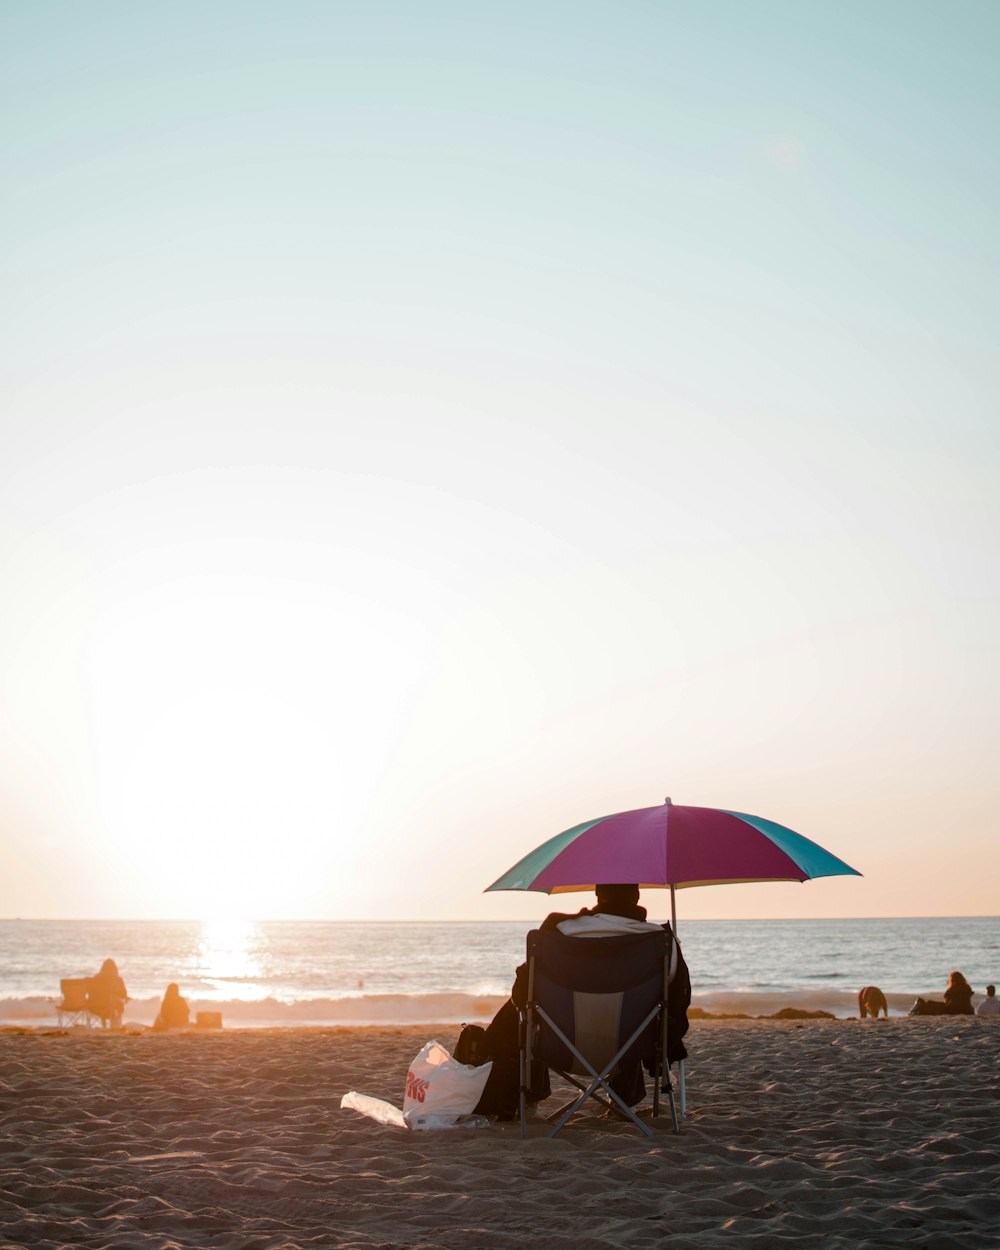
x,y
698,1020
786,1015
369,1011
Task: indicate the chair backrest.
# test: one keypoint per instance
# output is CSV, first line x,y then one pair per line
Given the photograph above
x,y
74,993
597,991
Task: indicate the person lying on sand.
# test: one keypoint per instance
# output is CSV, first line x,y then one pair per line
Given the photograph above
x,y
957,1000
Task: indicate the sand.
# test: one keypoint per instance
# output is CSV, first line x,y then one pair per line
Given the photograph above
x,y
812,1134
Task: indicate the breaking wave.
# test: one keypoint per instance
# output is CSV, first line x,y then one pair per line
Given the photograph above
x,y
361,1010
353,1010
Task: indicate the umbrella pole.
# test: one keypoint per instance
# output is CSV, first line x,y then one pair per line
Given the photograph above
x,y
681,1076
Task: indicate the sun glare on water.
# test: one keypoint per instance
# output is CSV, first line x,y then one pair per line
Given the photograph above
x,y
226,951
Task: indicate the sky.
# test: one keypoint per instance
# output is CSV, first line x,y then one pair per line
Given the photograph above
x,y
425,427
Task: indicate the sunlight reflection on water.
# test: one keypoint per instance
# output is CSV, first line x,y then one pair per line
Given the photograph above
x,y
228,957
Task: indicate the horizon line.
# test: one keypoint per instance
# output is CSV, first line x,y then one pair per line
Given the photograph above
x,y
446,920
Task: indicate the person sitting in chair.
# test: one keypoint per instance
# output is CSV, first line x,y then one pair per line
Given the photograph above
x,y
174,1013
616,912
106,995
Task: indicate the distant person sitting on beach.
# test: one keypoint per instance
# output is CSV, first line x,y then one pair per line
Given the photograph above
x,y
174,1013
958,996
616,912
106,995
990,1006
957,1000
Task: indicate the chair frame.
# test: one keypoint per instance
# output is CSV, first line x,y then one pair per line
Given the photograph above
x,y
75,1012
598,1087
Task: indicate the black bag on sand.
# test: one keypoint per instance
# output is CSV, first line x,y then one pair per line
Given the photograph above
x,y
471,1046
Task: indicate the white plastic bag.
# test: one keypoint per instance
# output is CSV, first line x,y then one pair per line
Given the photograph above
x,y
439,1090
374,1108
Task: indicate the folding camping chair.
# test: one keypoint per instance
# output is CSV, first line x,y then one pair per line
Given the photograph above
x,y
593,1004
75,1002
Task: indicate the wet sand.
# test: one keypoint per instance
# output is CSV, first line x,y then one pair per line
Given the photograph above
x,y
813,1134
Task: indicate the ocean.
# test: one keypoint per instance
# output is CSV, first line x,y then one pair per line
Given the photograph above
x,y
272,973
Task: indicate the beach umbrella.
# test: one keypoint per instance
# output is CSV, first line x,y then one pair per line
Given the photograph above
x,y
671,847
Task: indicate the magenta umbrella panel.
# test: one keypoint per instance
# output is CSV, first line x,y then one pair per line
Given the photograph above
x,y
671,846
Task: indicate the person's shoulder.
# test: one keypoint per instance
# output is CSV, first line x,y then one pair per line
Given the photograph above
x,y
555,918
602,924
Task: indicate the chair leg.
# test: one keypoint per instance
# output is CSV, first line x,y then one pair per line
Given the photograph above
x,y
597,1096
522,1107
615,1103
599,1079
673,1103
662,1085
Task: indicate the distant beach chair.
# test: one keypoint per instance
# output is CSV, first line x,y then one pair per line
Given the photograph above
x,y
593,1005
75,1003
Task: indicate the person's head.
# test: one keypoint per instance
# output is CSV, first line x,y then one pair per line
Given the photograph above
x,y
617,895
172,991
991,991
109,968
957,981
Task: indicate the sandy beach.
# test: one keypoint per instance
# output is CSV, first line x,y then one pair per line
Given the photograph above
x,y
817,1133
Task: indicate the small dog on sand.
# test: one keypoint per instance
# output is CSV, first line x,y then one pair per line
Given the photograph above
x,y
871,1001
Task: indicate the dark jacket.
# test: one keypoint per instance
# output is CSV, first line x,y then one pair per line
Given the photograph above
x,y
959,1000
679,992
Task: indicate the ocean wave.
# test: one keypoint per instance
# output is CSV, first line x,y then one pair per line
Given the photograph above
x,y
439,1008
355,1010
